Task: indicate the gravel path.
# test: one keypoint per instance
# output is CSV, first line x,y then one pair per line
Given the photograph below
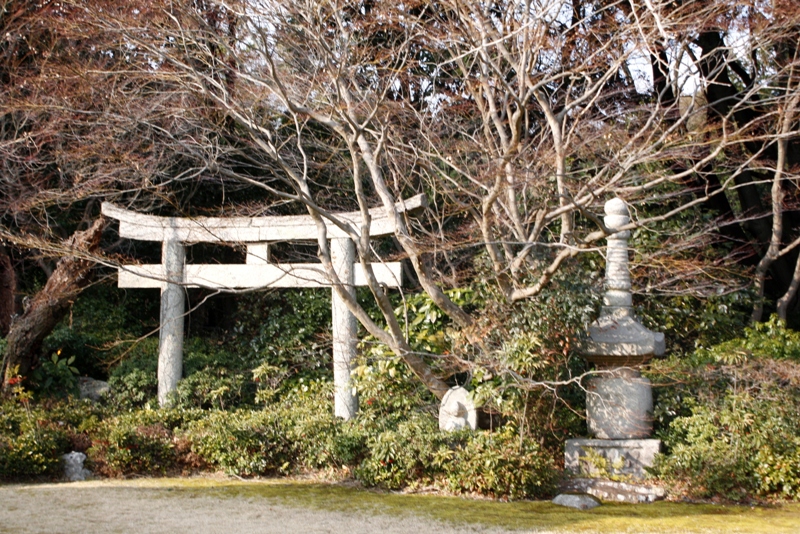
x,y
147,507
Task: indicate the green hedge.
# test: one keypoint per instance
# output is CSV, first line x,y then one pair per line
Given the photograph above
x,y
499,464
297,434
243,443
35,450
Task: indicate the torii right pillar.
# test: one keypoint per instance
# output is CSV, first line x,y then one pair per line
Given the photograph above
x,y
619,401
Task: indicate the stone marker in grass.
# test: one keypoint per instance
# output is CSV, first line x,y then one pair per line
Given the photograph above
x,y
581,501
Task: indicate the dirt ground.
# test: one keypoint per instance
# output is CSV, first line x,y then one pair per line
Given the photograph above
x,y
146,507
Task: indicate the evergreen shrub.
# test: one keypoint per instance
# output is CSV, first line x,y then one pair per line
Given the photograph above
x,y
56,377
295,434
133,381
139,442
321,440
30,445
34,436
728,418
499,464
242,442
100,327
413,453
502,464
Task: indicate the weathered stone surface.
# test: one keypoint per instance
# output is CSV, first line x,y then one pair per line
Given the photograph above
x,y
581,501
457,411
618,338
92,389
627,457
620,407
607,490
254,275
73,467
253,229
619,402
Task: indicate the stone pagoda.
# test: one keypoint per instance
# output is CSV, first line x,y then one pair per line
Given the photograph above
x,y
619,401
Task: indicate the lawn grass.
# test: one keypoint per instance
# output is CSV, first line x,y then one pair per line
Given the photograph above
x,y
666,517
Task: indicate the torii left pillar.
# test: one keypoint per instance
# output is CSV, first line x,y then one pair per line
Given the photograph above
x,y
345,404
173,309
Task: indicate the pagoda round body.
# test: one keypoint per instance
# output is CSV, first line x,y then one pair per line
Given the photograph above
x,y
620,406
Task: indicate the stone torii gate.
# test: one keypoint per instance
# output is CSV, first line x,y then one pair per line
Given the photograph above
x,y
172,275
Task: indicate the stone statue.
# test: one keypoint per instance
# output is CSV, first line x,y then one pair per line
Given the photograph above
x,y
457,411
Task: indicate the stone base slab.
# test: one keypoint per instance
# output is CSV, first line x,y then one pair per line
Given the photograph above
x,y
610,457
608,490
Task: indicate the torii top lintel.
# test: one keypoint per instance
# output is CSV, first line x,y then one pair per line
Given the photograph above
x,y
247,229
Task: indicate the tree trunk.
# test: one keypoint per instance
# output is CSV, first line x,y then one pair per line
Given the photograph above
x,y
49,305
724,100
8,286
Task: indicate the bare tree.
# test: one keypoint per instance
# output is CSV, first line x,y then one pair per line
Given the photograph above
x,y
79,122
570,102
519,117
523,116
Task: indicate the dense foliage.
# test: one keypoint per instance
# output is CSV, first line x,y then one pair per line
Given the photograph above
x,y
257,400
294,436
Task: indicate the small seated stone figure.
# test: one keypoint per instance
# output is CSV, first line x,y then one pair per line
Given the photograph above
x,y
457,411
